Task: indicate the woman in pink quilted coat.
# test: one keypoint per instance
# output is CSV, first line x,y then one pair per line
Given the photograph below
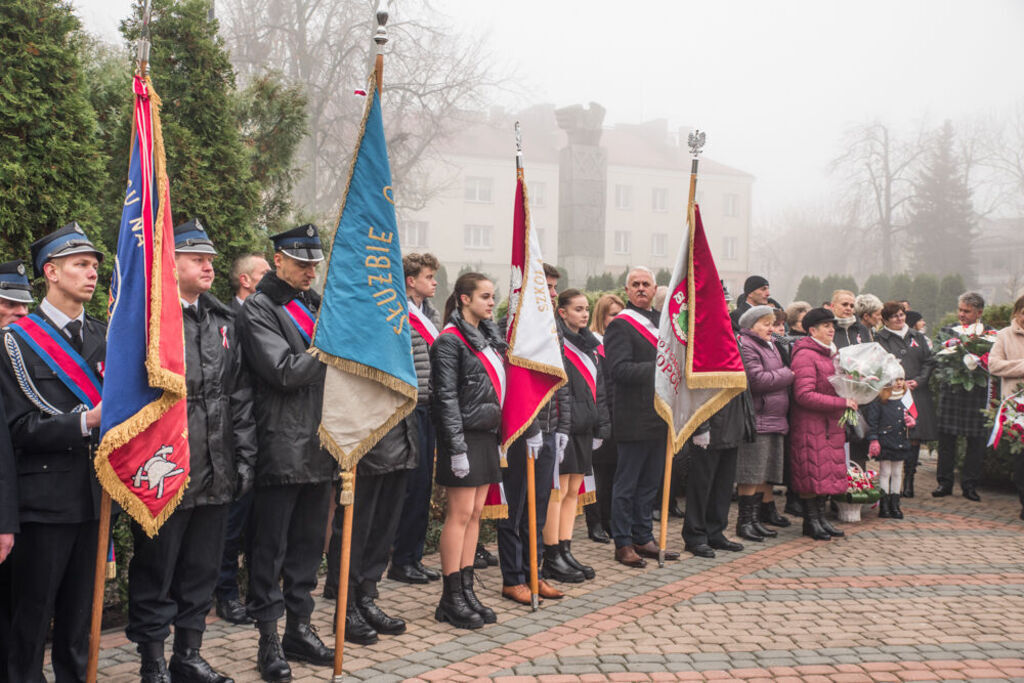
x,y
818,461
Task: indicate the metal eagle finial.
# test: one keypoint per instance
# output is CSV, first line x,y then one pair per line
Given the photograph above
x,y
696,142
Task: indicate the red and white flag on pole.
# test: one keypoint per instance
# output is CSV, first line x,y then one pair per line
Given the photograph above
x,y
534,368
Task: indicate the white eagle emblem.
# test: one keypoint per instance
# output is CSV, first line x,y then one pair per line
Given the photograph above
x,y
157,469
517,285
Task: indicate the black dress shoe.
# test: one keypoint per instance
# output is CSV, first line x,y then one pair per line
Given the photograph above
x,y
431,574
972,494
301,643
407,573
942,491
270,660
674,511
700,550
598,535
377,618
188,666
233,612
483,558
726,544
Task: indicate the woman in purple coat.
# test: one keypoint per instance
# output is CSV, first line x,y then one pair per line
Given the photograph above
x,y
818,459
760,464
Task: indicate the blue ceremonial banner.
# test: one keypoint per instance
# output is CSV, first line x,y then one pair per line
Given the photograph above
x,y
362,332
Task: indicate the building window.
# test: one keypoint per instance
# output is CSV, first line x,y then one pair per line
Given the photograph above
x,y
732,203
659,244
477,236
621,242
478,189
624,197
729,249
659,200
413,234
538,193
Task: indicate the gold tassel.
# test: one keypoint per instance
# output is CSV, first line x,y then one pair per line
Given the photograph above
x,y
347,485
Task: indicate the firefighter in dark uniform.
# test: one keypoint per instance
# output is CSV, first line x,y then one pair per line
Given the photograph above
x,y
15,298
293,472
172,575
54,432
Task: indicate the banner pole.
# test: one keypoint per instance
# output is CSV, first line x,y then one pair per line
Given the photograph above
x,y
348,501
98,585
531,511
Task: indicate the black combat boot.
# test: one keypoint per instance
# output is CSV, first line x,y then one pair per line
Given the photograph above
x,y
745,519
357,630
812,522
755,512
825,524
555,567
453,607
566,548
154,668
486,613
270,659
377,618
302,644
187,665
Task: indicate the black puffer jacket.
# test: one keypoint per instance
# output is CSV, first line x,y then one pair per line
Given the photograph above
x,y
398,450
463,398
288,387
421,354
221,428
589,416
632,359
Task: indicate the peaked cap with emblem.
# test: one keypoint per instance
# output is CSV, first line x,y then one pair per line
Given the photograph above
x,y
14,284
301,243
71,239
191,238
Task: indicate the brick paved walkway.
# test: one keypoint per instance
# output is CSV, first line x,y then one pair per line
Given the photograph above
x,y
939,595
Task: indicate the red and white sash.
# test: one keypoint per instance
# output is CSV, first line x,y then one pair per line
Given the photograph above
x,y
641,324
421,323
583,363
491,361
600,347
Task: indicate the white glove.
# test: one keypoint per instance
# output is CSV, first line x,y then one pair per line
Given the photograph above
x,y
702,440
561,442
597,443
533,445
460,465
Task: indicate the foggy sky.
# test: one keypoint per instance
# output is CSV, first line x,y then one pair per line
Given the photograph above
x,y
774,84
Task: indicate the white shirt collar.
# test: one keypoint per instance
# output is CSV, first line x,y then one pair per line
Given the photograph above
x,y
240,301
58,317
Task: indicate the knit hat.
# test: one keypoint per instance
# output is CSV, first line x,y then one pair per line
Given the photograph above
x,y
753,314
754,282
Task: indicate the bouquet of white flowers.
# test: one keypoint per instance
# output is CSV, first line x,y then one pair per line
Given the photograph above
x,y
963,356
862,371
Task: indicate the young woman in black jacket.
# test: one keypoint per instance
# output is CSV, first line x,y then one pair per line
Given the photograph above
x,y
591,425
468,379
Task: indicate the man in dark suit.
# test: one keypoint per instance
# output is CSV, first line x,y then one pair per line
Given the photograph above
x,y
54,421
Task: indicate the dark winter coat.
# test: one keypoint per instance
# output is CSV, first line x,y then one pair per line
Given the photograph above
x,y
886,425
8,478
421,354
288,387
960,412
221,428
848,336
818,463
734,424
918,363
463,398
631,359
397,451
769,380
56,480
589,415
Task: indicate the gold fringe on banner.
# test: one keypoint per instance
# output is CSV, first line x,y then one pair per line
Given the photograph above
x,y
584,499
495,512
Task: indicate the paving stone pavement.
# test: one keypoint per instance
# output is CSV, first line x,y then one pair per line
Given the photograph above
x,y
936,596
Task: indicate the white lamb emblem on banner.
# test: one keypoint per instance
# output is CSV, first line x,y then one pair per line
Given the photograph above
x,y
156,470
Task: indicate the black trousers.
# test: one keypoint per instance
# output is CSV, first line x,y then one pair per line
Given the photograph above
x,y
514,531
600,511
5,617
172,575
236,535
377,509
970,473
640,470
288,524
708,494
419,483
52,575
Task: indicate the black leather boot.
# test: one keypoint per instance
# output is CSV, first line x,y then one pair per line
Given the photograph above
x,y
894,506
486,613
770,515
453,607
812,523
745,519
908,483
302,644
883,506
154,668
377,618
357,630
755,512
187,665
825,524
793,504
566,548
270,659
555,567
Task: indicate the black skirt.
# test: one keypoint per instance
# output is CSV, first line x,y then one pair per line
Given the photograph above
x,y
895,455
579,455
484,462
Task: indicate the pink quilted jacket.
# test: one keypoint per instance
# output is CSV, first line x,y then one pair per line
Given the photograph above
x,y
818,462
